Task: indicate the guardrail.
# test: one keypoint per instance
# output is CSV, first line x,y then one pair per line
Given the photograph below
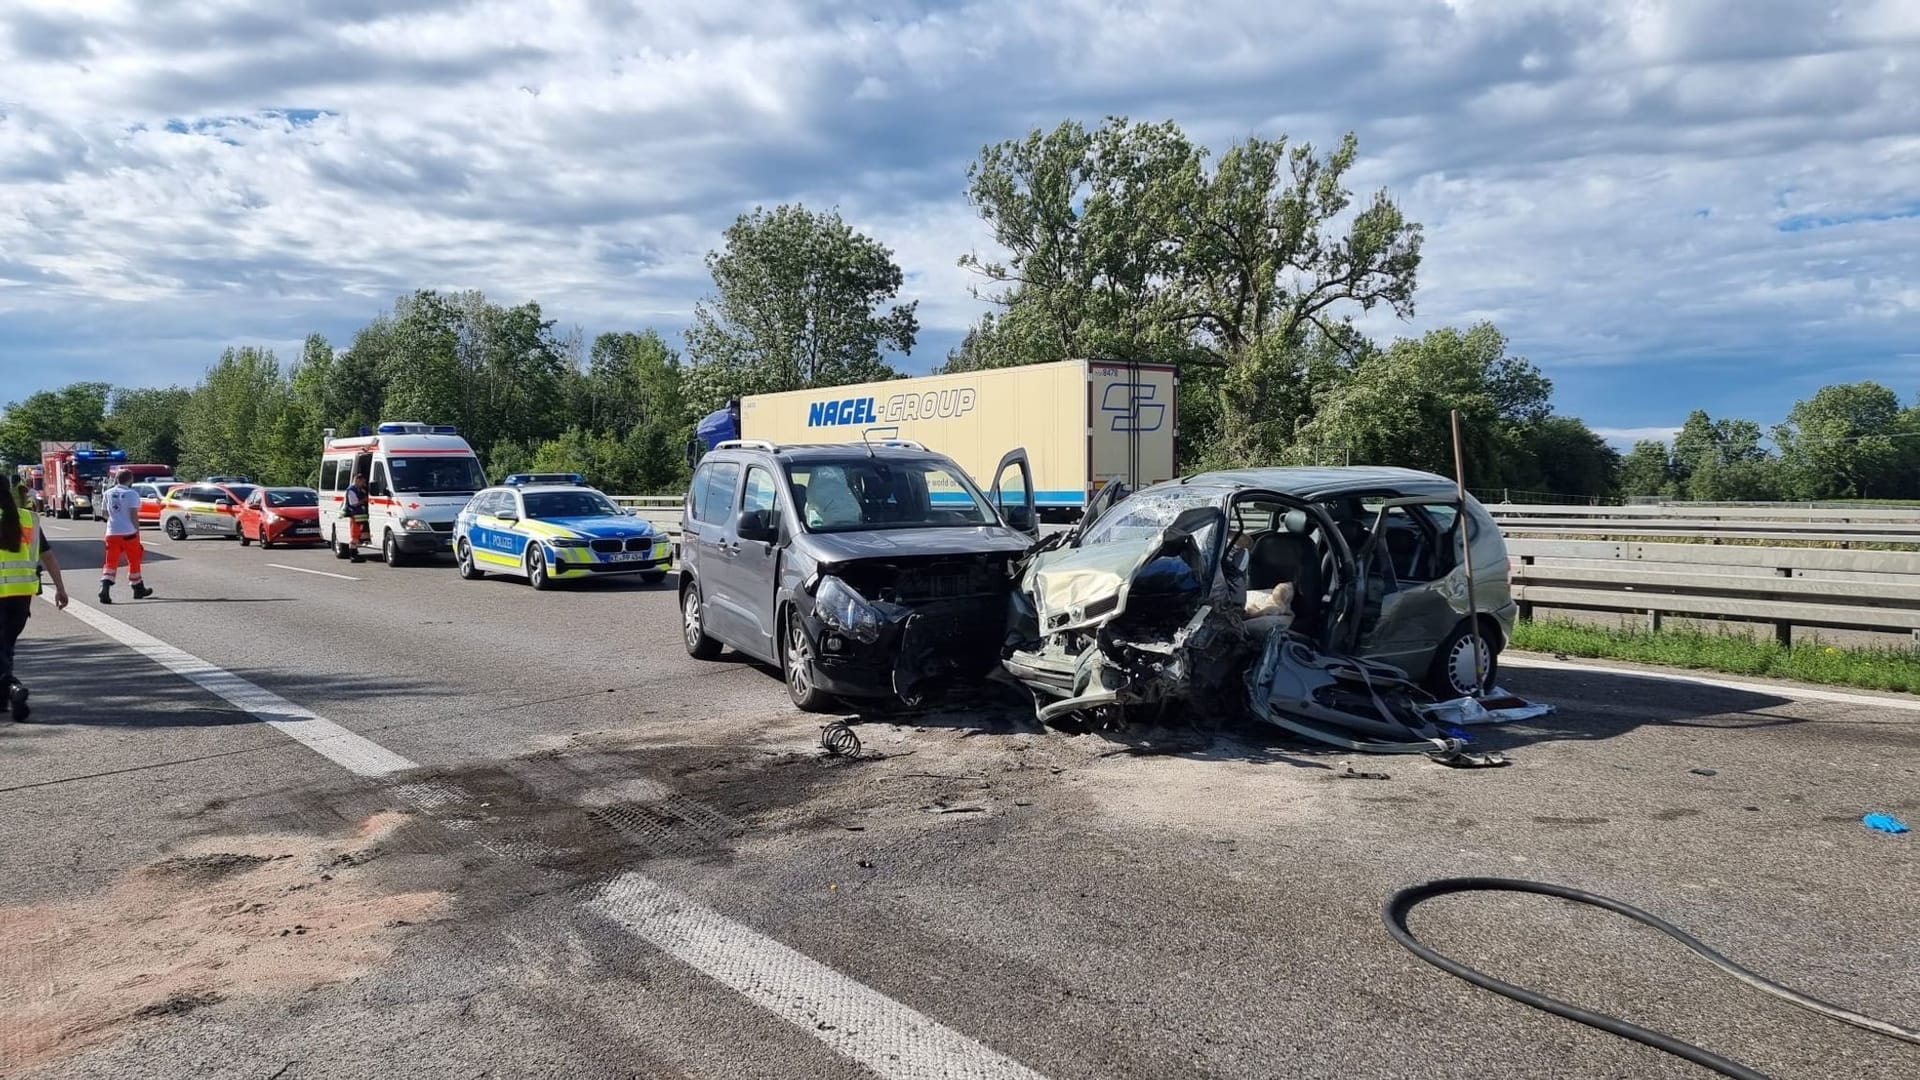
x,y
1670,561
1664,562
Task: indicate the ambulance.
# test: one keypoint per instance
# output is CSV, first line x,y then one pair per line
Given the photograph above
x,y
419,476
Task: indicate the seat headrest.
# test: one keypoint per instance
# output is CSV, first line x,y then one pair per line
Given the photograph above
x,y
1295,522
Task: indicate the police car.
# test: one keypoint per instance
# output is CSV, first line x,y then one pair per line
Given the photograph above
x,y
549,530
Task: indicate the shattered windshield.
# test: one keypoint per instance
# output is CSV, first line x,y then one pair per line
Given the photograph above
x,y
876,493
1142,516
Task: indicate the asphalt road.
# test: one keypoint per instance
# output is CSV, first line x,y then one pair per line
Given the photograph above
x,y
590,856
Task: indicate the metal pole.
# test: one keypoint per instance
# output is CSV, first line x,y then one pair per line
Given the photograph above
x,y
1466,555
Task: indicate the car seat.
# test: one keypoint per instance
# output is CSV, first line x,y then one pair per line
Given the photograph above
x,y
1288,554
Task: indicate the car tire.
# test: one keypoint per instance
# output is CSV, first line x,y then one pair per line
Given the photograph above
x,y
796,667
537,574
241,532
654,577
175,529
341,551
265,543
1451,675
390,549
463,558
693,623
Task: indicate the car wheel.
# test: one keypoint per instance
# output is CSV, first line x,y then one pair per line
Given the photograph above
x,y
537,575
654,577
340,550
264,542
241,532
693,620
463,556
796,658
1452,673
176,529
390,549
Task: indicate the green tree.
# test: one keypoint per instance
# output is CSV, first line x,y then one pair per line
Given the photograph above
x,y
1647,472
233,420
1568,458
1395,407
145,422
76,412
1122,243
1846,441
800,300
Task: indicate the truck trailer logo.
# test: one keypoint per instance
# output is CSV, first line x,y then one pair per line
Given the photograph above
x,y
856,411
1132,406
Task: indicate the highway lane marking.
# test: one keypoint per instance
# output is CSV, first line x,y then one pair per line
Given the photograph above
x,y
304,570
59,528
887,1037
355,753
1797,693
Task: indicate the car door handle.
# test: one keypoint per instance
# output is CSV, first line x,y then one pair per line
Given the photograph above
x,y
732,547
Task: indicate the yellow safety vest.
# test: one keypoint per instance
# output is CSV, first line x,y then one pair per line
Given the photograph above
x,y
20,568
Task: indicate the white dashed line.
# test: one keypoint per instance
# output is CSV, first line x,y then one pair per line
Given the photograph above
x,y
304,570
888,1038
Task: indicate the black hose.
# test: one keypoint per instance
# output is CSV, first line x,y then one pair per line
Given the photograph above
x,y
1402,903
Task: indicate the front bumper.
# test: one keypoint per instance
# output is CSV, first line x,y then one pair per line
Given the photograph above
x,y
919,648
286,534
563,568
413,542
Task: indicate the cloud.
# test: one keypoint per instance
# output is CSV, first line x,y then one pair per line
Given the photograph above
x,y
1665,206
1624,438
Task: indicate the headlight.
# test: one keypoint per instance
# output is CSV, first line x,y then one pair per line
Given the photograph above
x,y
569,542
846,611
414,524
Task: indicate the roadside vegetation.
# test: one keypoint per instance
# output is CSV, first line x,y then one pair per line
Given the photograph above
x,y
1729,652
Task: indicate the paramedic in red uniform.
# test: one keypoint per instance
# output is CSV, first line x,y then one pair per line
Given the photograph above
x,y
123,539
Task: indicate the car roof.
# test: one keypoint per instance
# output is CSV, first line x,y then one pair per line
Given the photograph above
x,y
1320,482
816,453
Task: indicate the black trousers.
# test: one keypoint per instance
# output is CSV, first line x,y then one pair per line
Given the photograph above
x,y
14,611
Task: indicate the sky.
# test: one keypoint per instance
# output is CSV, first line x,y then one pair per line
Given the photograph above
x,y
1666,206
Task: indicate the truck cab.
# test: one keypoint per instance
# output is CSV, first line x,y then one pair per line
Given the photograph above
x,y
419,476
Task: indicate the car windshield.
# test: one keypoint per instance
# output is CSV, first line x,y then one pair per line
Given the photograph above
x,y
434,475
877,493
1140,516
241,493
547,505
293,497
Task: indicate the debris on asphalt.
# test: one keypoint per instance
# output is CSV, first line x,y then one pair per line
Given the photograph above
x,y
1704,772
939,808
839,740
1352,774
1885,823
1461,759
866,864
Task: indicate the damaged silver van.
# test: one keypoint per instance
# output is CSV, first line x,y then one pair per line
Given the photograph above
x,y
864,570
1175,592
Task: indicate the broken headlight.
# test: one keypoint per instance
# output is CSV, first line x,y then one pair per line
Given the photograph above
x,y
846,611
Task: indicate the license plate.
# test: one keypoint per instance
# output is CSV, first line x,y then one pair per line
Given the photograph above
x,y
305,529
630,556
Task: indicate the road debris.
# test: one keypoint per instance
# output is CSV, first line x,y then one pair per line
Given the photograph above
x,y
1885,823
839,740
1704,772
1351,774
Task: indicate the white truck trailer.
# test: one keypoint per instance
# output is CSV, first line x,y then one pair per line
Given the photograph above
x,y
1085,423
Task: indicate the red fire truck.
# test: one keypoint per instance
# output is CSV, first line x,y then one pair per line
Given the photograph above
x,y
75,476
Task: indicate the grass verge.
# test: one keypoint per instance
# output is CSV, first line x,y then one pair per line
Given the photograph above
x,y
1729,652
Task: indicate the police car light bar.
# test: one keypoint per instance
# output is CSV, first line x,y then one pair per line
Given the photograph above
x,y
523,479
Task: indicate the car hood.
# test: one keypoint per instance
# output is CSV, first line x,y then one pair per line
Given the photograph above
x,y
832,548
297,513
1074,588
597,527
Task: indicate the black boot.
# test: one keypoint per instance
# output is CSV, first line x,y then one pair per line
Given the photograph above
x,y
106,592
17,703
140,590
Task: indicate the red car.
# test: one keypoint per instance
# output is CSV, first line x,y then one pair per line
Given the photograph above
x,y
152,495
280,515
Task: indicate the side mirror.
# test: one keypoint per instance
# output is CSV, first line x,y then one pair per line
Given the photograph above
x,y
762,526
508,515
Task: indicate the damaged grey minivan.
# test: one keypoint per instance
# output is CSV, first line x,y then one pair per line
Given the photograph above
x,y
1349,580
866,571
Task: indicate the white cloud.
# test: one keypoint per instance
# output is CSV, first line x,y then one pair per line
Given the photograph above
x,y
1665,205
1626,437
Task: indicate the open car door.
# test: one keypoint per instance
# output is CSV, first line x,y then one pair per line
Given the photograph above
x,y
1012,496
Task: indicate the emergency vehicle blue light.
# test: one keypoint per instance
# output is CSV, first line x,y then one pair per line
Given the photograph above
x,y
522,479
445,429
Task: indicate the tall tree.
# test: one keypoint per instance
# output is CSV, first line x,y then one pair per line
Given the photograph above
x,y
1566,457
800,300
1647,472
1847,440
233,418
1121,242
145,422
76,412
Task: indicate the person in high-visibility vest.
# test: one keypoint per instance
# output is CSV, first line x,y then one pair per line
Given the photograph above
x,y
23,551
355,505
